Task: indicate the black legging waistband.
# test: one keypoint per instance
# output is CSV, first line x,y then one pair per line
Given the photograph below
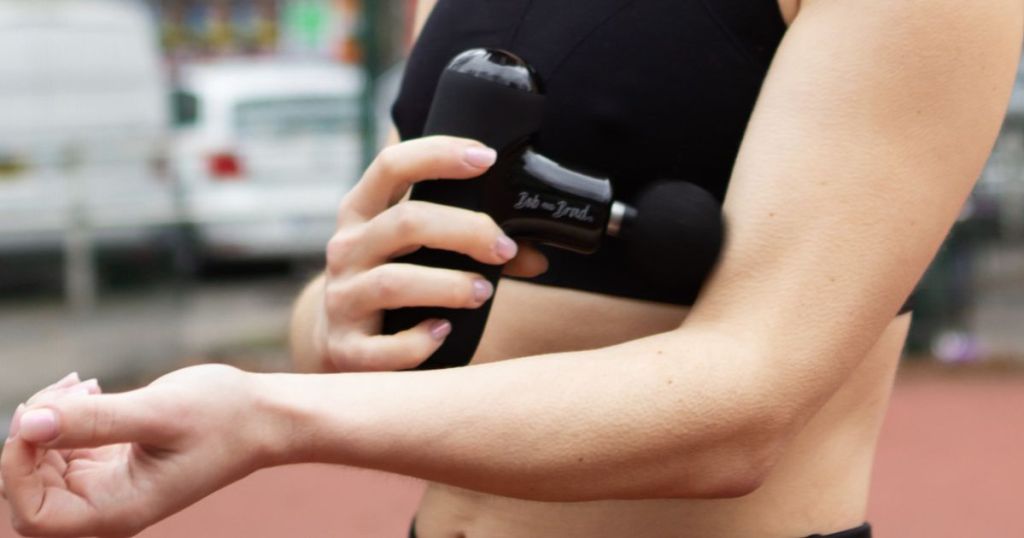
x,y
864,531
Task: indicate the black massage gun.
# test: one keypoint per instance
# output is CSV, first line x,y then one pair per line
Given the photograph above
x,y
674,227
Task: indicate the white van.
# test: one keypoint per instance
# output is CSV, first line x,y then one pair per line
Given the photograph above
x,y
265,150
84,123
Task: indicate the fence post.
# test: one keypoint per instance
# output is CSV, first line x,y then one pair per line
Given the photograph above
x,y
371,68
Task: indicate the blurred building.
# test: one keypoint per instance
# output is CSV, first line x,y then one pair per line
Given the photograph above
x,y
87,142
194,29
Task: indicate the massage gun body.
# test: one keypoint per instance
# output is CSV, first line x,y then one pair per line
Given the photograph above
x,y
493,97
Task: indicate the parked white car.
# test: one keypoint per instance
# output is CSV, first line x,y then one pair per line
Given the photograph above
x,y
264,152
84,123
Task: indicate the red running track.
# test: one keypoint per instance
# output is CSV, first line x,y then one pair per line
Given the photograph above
x,y
950,464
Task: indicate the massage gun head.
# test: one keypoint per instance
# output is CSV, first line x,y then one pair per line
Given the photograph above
x,y
676,238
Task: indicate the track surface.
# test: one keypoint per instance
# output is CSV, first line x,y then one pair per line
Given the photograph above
x,y
950,464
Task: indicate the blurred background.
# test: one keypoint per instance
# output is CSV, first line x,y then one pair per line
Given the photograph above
x,y
169,173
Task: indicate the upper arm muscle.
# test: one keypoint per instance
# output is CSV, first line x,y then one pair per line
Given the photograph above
x,y
423,9
873,124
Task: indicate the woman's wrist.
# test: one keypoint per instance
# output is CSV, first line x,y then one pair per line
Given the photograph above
x,y
280,420
300,418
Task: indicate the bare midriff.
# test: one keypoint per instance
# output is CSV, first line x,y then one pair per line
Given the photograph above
x,y
819,486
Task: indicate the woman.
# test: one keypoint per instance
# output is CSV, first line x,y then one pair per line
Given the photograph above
x,y
753,413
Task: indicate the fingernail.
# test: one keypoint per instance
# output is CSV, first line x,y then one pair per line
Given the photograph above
x,y
440,329
81,389
93,386
69,377
480,157
39,426
507,248
482,290
16,422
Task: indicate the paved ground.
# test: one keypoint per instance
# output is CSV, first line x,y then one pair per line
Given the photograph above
x,y
950,465
951,459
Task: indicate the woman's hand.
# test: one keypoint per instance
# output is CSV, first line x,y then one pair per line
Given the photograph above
x,y
374,228
79,463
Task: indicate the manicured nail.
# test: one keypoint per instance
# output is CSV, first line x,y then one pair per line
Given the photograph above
x,y
81,389
93,386
440,329
16,422
39,426
480,157
507,248
482,290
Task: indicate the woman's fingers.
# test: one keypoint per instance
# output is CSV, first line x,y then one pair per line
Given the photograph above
x,y
374,229
392,286
529,263
400,351
27,421
23,486
399,166
69,380
92,420
411,225
396,285
37,510
16,421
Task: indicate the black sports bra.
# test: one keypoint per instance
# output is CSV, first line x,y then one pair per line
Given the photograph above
x,y
637,90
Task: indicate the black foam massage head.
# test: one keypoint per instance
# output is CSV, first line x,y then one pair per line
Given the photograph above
x,y
676,237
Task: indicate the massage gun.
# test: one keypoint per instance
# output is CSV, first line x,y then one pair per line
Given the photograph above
x,y
492,96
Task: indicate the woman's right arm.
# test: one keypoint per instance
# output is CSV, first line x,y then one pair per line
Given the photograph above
x,y
309,325
336,318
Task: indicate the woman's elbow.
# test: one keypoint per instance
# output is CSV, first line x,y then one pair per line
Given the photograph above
x,y
745,473
736,466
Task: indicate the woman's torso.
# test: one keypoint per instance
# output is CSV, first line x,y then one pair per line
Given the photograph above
x,y
639,120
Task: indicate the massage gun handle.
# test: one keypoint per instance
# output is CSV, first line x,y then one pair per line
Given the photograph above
x,y
503,117
467,324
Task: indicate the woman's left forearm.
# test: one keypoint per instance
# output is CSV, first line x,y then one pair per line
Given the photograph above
x,y
672,415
